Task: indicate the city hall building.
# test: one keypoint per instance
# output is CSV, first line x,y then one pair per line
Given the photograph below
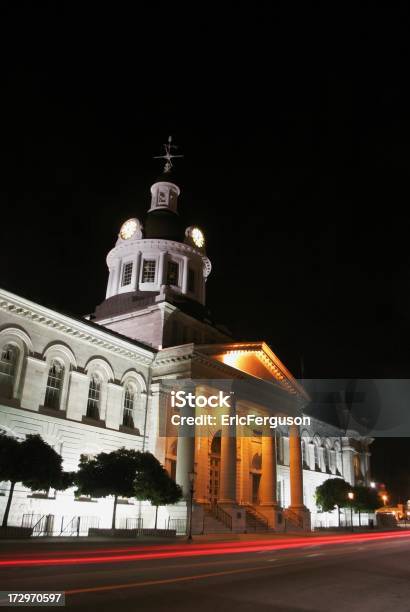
x,y
103,382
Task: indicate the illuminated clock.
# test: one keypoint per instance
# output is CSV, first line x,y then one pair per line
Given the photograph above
x,y
196,235
128,229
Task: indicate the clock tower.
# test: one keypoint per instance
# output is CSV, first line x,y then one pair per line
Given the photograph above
x,y
158,269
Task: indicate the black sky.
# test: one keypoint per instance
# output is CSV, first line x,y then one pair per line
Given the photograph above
x,y
294,123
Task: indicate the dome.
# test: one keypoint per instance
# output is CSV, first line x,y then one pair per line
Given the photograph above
x,y
165,224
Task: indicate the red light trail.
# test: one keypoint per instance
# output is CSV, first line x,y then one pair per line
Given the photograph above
x,y
189,550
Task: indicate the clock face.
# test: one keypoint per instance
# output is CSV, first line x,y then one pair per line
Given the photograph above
x,y
197,237
128,229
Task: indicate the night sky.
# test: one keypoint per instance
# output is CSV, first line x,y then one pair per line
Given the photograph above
x,y
294,123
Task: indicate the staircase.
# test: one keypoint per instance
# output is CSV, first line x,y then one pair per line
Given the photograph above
x,y
255,522
293,521
212,524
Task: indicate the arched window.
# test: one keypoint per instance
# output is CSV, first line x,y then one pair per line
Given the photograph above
x,y
8,360
305,462
54,385
279,450
129,402
94,397
317,456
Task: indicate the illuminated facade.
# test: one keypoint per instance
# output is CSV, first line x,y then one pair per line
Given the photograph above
x,y
96,384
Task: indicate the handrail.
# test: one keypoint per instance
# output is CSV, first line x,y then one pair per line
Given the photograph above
x,y
293,517
39,521
69,524
221,514
259,516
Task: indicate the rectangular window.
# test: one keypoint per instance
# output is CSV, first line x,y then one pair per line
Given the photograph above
x,y
148,271
173,273
126,274
191,280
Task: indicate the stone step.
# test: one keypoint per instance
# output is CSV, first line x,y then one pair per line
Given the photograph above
x,y
213,525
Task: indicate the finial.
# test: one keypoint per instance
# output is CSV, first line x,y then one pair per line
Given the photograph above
x,y
168,156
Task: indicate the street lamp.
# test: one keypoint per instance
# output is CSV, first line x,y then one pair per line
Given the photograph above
x,y
350,495
384,498
191,476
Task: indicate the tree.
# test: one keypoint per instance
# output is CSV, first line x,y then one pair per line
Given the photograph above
x,y
365,499
109,474
154,484
332,494
32,462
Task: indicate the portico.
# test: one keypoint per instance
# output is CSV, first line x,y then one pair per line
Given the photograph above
x,y
235,465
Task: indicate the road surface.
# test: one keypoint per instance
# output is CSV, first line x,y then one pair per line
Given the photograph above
x,y
349,573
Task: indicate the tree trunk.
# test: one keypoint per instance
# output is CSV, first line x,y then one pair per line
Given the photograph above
x,y
156,516
7,510
338,514
114,512
360,522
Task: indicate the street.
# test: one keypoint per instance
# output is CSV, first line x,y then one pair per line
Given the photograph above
x,y
347,572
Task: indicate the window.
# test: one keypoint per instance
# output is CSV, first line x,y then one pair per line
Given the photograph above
x,y
279,493
126,274
8,360
339,463
279,450
129,401
304,457
94,395
172,273
54,385
191,280
317,457
148,271
332,461
162,198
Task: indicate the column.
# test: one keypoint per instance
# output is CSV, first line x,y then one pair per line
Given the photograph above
x,y
185,451
185,274
227,485
267,487
34,387
77,398
114,407
115,278
162,272
296,473
137,265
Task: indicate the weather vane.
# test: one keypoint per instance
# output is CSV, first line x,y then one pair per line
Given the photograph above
x,y
168,156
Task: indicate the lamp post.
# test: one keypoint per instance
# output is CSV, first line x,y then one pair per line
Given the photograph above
x,y
191,499
384,498
350,495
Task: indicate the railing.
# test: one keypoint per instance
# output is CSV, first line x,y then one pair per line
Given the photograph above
x,y
219,513
256,515
177,524
78,525
136,523
40,524
293,517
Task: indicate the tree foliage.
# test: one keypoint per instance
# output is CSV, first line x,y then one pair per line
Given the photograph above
x,y
331,494
32,462
154,484
108,474
365,499
126,473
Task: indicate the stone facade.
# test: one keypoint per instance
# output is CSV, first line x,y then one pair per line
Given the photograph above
x,y
101,383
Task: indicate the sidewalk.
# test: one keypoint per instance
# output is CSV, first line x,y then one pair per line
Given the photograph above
x,y
96,542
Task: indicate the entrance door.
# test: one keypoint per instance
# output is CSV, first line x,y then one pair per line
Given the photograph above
x,y
256,478
214,468
214,475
